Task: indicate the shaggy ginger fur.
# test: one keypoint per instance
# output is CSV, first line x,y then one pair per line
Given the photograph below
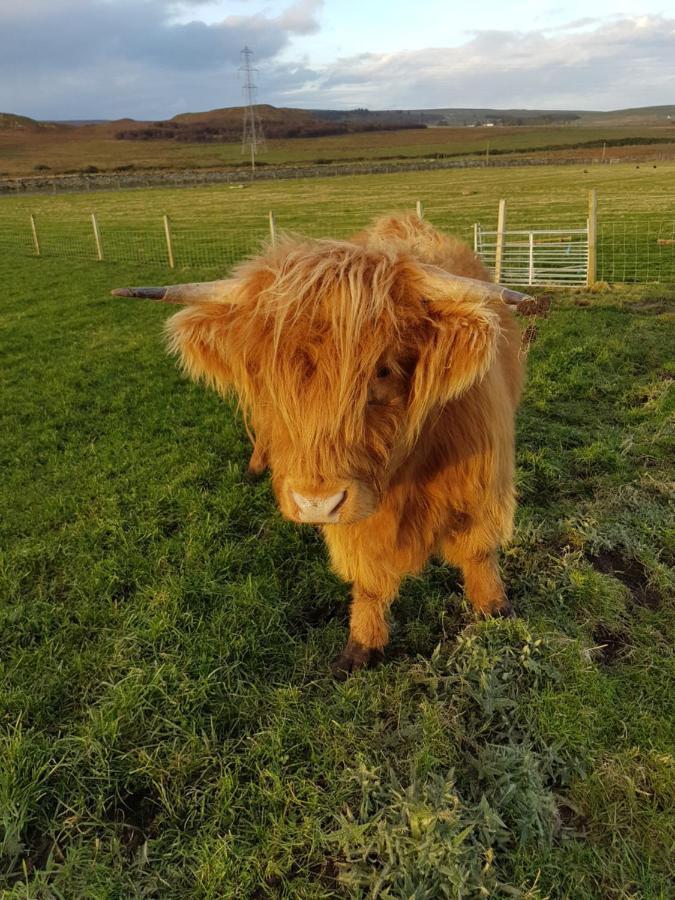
x,y
366,376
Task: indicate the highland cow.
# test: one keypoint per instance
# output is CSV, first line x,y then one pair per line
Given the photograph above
x,y
380,377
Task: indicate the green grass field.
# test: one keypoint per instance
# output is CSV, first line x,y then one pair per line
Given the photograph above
x,y
168,724
218,224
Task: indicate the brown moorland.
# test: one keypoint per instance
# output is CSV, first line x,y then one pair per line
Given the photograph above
x,y
210,140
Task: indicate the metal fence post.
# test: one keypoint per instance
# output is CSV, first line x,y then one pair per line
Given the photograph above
x,y
169,242
530,277
273,228
36,241
592,274
97,238
419,206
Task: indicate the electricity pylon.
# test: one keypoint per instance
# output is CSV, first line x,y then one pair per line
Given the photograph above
x,y
253,137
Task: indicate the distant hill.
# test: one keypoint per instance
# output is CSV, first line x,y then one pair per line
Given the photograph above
x,y
274,115
224,125
641,115
646,115
278,122
81,121
13,122
10,120
286,122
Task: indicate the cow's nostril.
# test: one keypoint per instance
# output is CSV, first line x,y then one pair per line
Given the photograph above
x,y
318,509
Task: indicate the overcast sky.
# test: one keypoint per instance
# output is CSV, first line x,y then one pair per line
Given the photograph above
x,y
150,59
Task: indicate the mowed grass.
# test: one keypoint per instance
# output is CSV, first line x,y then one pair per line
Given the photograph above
x,y
169,727
76,149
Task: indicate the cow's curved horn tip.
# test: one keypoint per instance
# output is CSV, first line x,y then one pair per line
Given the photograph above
x,y
146,293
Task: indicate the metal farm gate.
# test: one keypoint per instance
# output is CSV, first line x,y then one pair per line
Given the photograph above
x,y
551,256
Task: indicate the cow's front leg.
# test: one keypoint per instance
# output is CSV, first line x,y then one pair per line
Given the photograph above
x,y
368,630
258,461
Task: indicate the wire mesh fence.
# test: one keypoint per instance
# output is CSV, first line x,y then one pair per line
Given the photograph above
x,y
635,252
545,246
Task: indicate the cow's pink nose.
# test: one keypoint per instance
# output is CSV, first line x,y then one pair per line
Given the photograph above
x,y
319,509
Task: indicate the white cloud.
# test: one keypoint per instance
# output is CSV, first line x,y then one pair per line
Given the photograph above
x,y
111,58
588,64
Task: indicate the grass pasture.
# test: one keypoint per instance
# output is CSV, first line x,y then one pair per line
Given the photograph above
x,y
216,225
168,726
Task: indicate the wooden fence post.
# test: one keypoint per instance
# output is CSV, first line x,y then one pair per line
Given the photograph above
x,y
97,238
475,237
169,243
420,209
36,242
530,275
592,275
499,246
273,228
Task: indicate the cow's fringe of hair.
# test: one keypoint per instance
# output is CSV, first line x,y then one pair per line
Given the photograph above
x,y
350,295
306,322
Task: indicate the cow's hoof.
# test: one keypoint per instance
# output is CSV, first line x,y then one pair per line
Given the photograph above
x,y
502,610
353,657
255,474
505,611
499,609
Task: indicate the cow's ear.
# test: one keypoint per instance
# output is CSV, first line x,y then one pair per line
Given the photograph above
x,y
459,335
201,336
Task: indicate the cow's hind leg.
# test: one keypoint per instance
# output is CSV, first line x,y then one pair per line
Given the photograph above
x,y
368,630
483,585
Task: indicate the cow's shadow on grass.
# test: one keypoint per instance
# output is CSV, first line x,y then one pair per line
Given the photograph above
x,y
429,609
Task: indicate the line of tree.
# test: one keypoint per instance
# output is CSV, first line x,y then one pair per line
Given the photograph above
x,y
207,132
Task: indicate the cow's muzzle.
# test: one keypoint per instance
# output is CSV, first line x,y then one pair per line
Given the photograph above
x,y
319,509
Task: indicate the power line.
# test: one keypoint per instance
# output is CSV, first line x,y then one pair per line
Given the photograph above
x,y
253,137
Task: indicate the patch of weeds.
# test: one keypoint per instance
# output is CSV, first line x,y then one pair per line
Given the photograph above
x,y
448,831
416,838
511,777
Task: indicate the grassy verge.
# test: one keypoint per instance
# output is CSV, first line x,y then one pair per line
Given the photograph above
x,y
168,724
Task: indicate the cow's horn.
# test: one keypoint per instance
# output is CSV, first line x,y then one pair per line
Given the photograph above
x,y
486,290
178,293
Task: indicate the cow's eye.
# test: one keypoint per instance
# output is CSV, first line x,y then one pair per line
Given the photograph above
x,y
383,372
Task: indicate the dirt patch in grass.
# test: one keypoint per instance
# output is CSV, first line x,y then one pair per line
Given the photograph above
x,y
629,572
654,306
135,815
570,817
42,846
324,874
611,645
